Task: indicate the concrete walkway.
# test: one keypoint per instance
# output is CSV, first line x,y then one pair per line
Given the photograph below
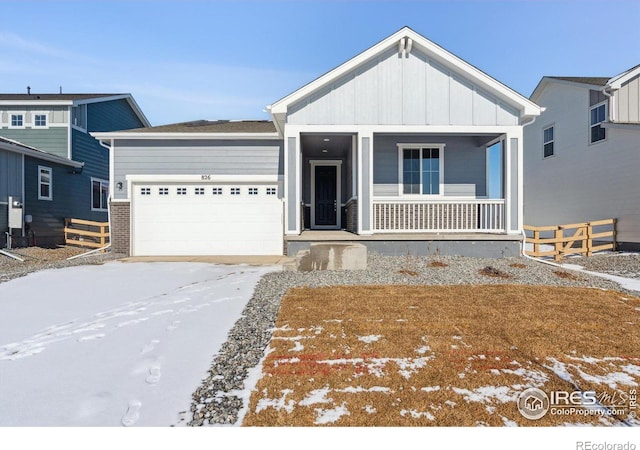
x,y
234,260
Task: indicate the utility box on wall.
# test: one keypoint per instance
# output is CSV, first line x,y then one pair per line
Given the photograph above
x,y
15,213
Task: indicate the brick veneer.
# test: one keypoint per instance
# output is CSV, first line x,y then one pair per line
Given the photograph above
x,y
120,227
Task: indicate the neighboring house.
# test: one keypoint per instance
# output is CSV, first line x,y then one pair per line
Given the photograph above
x,y
582,155
391,146
75,182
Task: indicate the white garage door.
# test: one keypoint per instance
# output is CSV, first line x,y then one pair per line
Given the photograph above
x,y
206,219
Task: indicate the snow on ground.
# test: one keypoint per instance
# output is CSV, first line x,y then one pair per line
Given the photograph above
x,y
117,344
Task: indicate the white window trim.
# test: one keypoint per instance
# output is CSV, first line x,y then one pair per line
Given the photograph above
x,y
50,170
553,125
410,146
17,113
100,180
39,113
606,112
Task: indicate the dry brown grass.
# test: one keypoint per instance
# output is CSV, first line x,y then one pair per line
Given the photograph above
x,y
410,272
518,265
440,356
565,275
438,264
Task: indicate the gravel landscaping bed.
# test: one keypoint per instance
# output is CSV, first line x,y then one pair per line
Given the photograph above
x,y
217,400
623,265
37,258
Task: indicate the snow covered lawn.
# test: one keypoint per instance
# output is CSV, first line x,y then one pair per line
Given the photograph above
x,y
448,356
116,344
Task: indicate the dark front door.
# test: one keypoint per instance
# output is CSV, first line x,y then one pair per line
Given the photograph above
x,y
326,201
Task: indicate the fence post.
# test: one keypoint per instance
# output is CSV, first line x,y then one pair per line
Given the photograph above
x,y
536,245
589,239
615,243
558,245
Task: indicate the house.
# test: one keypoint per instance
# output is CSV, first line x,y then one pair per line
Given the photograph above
x,y
50,162
389,149
582,156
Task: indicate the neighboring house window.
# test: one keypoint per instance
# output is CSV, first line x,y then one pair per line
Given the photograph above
x,y
45,183
598,115
17,121
40,120
547,142
99,194
421,169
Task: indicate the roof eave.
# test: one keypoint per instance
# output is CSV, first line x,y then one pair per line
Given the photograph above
x,y
106,136
38,154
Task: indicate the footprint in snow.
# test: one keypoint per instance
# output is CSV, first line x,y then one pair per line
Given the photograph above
x,y
150,346
154,375
133,413
173,325
92,337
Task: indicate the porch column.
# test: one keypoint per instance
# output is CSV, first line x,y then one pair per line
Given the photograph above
x,y
513,197
292,184
365,184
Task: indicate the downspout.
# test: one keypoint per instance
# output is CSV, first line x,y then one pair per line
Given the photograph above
x,y
524,235
611,108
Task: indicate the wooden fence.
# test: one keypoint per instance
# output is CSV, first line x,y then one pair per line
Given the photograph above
x,y
86,233
579,239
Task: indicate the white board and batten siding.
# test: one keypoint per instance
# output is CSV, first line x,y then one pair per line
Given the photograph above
x,y
627,101
413,90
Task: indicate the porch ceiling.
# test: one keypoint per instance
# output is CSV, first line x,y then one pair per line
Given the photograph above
x,y
336,145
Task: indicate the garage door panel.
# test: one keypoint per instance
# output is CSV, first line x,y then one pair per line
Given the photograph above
x,y
201,223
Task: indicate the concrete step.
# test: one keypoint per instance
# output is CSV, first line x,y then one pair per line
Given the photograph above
x,y
332,256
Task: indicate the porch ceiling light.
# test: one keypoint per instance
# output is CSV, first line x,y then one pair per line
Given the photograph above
x,y
324,150
326,139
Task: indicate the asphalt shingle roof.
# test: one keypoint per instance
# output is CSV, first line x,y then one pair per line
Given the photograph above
x,y
212,126
61,97
598,81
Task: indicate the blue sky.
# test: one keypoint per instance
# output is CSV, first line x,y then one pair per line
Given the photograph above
x,y
186,60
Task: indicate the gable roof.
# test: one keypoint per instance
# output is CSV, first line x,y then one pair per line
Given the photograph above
x,y
596,81
217,129
18,147
526,107
70,100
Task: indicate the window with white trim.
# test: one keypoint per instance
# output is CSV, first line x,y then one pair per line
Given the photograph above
x,y
217,191
547,142
597,115
421,168
45,183
99,194
40,121
16,121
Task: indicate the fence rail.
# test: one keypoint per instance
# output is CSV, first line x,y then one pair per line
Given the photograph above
x,y
428,216
579,239
86,233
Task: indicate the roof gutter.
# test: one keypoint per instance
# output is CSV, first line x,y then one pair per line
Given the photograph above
x,y
179,135
611,108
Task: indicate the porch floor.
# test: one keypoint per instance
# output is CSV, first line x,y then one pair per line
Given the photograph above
x,y
340,235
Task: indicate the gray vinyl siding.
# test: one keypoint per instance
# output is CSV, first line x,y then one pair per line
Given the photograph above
x,y
96,164
57,115
464,164
628,101
10,182
391,90
581,182
53,140
195,157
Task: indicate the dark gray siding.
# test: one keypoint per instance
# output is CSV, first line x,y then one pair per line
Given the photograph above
x,y
48,215
464,163
112,116
195,157
10,182
53,140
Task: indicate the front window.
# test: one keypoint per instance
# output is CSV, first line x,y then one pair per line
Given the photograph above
x,y
100,194
45,183
547,142
598,115
421,170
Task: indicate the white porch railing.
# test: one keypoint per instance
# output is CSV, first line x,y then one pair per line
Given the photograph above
x,y
415,215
